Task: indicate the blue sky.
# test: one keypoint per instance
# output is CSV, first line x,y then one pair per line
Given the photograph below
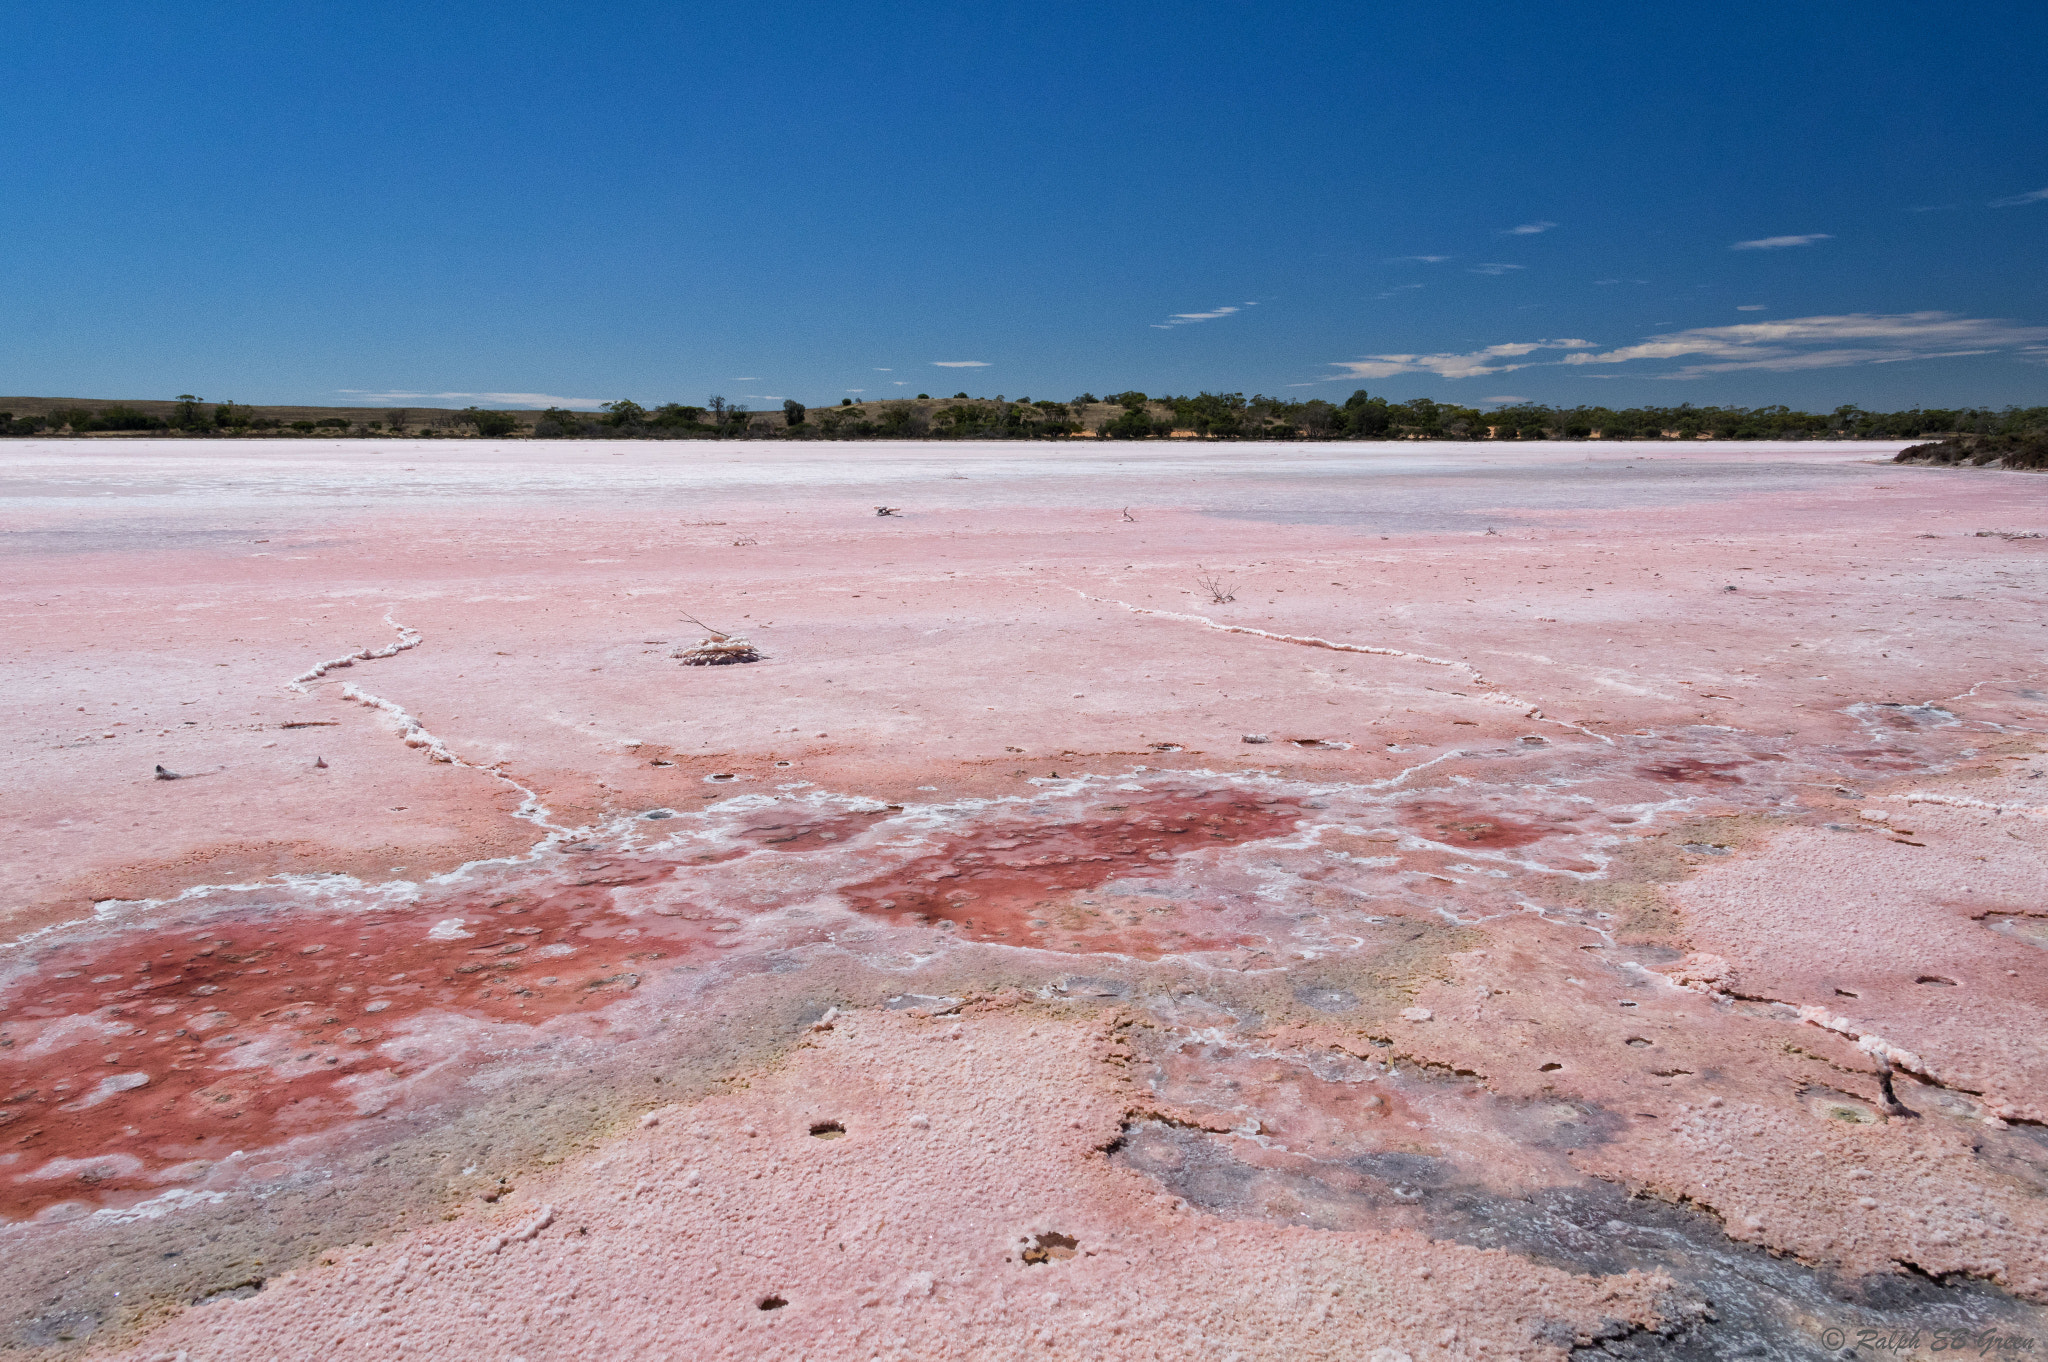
x,y
517,203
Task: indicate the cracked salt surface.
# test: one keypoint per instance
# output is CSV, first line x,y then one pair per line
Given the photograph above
x,y
1529,708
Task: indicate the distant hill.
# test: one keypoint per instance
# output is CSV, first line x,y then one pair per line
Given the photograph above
x,y
167,410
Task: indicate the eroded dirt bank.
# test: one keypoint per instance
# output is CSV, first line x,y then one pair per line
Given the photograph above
x,y
1566,897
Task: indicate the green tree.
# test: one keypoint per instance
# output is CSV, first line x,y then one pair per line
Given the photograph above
x,y
1366,417
1213,415
625,414
792,412
1134,424
495,425
124,418
555,423
675,417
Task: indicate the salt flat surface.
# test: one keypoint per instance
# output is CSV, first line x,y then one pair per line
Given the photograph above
x,y
1565,891
153,470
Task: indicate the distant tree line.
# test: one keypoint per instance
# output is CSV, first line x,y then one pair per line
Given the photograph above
x,y
190,415
1129,415
1233,416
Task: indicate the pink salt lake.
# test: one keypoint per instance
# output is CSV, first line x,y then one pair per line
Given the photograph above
x,y
1629,927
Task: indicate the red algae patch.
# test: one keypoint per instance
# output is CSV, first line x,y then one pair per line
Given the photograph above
x,y
134,1062
1461,826
1020,883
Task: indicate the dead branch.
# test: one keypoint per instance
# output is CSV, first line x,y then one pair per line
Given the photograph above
x,y
1215,587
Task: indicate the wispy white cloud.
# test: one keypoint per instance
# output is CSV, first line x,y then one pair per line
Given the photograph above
x,y
1529,229
1797,343
1828,342
748,378
961,363
1779,243
1495,269
1190,318
882,370
1424,259
1749,307
1397,290
2015,200
1502,401
1494,359
386,399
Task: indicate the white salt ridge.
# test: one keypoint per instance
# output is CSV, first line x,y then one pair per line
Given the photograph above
x,y
414,733
1529,707
1965,802
407,638
526,1232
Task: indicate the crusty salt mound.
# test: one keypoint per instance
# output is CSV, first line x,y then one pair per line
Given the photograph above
x,y
718,649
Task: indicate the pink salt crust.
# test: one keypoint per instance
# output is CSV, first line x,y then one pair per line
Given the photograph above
x,y
1552,876
905,1235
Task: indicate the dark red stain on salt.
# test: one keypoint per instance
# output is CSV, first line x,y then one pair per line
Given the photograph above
x,y
780,830
136,1061
1019,883
1459,825
776,829
1694,771
1884,759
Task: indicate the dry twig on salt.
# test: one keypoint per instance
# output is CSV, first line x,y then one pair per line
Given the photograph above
x,y
1217,588
720,649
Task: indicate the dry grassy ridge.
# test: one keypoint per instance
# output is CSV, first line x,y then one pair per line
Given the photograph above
x,y
443,420
164,410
